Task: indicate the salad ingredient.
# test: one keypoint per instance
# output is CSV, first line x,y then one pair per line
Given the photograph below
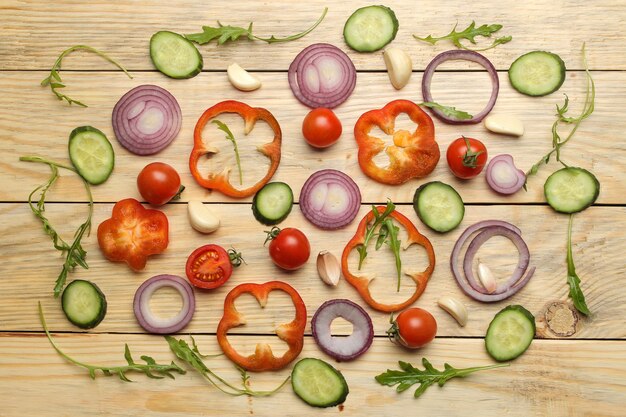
x,y
364,233
54,79
201,217
328,268
91,154
291,333
439,206
159,325
133,233
242,79
573,280
504,124
84,304
399,66
229,136
455,308
152,369
370,28
571,189
289,248
485,230
469,33
272,203
510,333
74,254
318,383
342,348
321,128
146,119
322,75
330,199
466,157
408,375
486,278
174,55
467,56
412,155
223,34
449,111
209,267
159,183
250,115
413,328
537,73
502,175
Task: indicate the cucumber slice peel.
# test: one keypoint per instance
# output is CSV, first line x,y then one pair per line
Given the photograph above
x,y
318,383
84,304
91,154
370,28
537,73
571,189
439,206
510,333
174,55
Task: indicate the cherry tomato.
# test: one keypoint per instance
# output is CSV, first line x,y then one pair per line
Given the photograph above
x,y
413,328
208,267
466,157
289,248
158,183
321,128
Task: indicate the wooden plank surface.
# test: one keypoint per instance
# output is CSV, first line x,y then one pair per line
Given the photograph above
x,y
580,375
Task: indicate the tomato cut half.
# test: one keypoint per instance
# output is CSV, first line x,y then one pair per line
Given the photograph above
x,y
209,267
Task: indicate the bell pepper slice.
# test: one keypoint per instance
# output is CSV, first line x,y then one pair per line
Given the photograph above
x,y
220,181
412,155
361,283
292,333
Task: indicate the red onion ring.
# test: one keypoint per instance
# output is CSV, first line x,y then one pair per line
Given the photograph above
x,y
503,176
330,199
322,75
158,325
342,348
467,56
466,280
146,119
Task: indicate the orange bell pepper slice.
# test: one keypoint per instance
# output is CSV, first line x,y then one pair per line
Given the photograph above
x,y
220,181
412,155
292,333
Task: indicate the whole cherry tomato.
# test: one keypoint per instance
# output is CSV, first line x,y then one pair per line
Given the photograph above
x,y
289,248
413,328
466,157
321,128
209,267
159,183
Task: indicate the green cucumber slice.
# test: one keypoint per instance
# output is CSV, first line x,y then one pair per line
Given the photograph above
x,y
571,189
318,383
370,28
174,55
84,304
537,73
91,154
272,203
510,333
439,206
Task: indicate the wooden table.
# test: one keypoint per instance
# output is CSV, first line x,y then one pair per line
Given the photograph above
x,y
581,375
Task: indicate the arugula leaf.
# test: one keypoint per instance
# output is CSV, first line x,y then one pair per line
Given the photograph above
x,y
448,110
229,33
575,292
408,375
469,34
369,233
394,243
229,135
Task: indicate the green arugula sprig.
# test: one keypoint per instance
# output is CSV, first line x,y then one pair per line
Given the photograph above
x,y
575,292
392,240
470,34
409,375
54,79
449,111
223,34
74,254
229,135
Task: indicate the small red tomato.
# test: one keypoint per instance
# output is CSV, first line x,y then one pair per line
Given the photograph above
x,y
321,128
289,248
158,183
208,267
413,328
466,157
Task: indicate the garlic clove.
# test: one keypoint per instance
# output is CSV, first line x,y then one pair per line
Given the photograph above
x,y
504,124
242,79
399,66
328,268
486,278
455,308
201,218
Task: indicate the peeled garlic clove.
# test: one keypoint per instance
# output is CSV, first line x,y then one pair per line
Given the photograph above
x,y
455,308
504,124
399,66
201,218
486,278
328,268
242,79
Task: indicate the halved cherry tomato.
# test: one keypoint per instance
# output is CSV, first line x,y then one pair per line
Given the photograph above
x,y
289,249
208,267
413,328
466,157
159,183
321,128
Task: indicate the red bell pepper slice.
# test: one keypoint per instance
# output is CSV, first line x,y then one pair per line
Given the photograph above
x,y
412,155
220,181
361,283
292,333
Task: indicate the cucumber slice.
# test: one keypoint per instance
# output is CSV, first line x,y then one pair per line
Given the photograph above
x,y
439,206
537,73
570,190
370,28
510,333
272,203
91,154
84,304
174,55
318,384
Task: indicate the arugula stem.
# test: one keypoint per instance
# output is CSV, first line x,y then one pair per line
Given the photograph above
x,y
229,135
274,39
575,292
379,218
